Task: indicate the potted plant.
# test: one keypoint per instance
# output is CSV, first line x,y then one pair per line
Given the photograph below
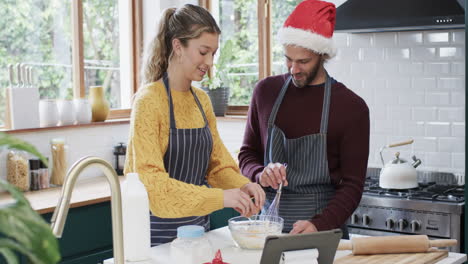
x,y
23,230
217,85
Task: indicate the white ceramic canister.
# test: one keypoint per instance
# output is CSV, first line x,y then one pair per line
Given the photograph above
x,y
66,111
48,113
82,111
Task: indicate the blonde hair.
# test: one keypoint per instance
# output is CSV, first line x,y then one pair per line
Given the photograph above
x,y
185,23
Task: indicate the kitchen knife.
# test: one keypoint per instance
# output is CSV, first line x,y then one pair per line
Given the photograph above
x,y
24,75
18,75
11,74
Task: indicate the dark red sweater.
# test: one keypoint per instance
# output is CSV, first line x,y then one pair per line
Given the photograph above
x,y
300,115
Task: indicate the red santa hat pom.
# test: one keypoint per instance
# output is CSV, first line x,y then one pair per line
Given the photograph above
x,y
310,26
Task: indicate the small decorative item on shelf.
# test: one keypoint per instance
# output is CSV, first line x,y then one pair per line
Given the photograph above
x,y
99,105
48,113
83,111
34,172
66,111
119,153
44,175
59,161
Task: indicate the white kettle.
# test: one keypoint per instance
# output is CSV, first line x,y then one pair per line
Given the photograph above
x,y
399,173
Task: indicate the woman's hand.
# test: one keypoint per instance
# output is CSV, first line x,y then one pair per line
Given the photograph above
x,y
272,175
240,201
254,190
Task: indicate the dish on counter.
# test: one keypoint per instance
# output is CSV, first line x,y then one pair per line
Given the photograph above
x,y
250,233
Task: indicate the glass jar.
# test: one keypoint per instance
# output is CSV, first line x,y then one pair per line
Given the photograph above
x,y
59,168
191,246
18,169
44,175
34,172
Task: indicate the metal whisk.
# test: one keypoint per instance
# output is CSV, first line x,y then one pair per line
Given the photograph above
x,y
273,209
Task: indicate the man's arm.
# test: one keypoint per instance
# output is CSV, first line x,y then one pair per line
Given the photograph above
x,y
251,152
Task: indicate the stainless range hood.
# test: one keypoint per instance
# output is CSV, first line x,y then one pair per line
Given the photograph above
x,y
399,15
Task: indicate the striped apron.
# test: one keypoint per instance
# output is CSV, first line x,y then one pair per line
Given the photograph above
x,y
186,159
309,188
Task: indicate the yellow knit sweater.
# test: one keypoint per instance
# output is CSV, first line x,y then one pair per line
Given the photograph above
x,y
148,140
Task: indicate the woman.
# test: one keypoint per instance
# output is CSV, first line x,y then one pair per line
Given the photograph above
x,y
174,144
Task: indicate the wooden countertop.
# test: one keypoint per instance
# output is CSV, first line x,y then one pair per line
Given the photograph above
x,y
87,191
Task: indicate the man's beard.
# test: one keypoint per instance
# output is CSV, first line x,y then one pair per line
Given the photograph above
x,y
310,76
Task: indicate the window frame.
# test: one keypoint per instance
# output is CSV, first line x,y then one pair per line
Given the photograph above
x,y
136,41
78,82
264,47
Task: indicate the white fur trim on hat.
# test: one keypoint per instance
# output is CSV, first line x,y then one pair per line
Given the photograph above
x,y
307,39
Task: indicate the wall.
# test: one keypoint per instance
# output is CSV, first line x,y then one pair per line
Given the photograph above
x,y
82,141
414,85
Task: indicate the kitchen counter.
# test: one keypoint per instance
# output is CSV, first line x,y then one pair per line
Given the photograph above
x,y
222,239
86,192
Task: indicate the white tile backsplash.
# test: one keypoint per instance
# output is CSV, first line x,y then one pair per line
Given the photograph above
x,y
451,53
437,129
360,40
385,40
414,85
436,68
458,37
458,68
436,37
451,145
424,83
423,54
424,113
415,68
409,39
438,99
452,114
397,54
451,83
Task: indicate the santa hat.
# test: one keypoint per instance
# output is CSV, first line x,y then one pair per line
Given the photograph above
x,y
310,26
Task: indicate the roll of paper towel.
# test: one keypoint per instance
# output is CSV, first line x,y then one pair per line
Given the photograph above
x,y
304,256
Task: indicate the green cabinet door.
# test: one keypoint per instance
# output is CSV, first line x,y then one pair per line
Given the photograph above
x,y
220,218
87,236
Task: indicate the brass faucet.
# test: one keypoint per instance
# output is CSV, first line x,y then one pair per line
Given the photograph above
x,y
61,211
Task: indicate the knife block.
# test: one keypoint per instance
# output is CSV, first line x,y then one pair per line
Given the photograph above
x,y
23,104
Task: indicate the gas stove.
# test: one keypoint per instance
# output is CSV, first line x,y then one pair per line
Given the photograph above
x,y
430,191
434,208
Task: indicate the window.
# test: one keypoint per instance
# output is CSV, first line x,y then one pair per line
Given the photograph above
x,y
36,34
71,45
238,21
252,25
279,9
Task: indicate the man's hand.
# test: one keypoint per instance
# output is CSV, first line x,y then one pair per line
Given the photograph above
x,y
303,227
272,175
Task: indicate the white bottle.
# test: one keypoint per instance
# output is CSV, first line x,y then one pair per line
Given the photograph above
x,y
136,222
191,246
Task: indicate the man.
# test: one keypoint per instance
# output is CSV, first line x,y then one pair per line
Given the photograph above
x,y
310,122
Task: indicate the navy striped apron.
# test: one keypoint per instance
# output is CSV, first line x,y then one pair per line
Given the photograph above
x,y
309,188
186,159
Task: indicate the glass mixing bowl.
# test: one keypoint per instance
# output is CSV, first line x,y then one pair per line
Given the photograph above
x,y
250,233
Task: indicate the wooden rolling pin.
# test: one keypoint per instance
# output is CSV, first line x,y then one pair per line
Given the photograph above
x,y
393,244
